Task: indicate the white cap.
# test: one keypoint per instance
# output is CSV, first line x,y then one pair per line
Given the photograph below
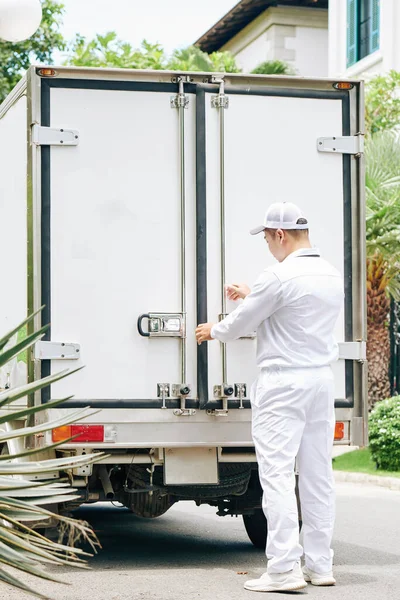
x,y
282,215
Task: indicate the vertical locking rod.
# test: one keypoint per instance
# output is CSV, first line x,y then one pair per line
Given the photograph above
x,y
221,103
181,107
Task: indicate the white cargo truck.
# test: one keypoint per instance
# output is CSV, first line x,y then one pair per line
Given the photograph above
x,y
126,200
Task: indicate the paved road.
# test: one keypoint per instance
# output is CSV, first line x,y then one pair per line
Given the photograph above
x,y
191,554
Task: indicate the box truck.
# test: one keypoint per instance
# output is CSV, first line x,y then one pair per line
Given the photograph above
x,y
126,200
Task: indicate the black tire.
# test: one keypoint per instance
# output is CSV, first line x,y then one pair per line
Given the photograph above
x,y
257,528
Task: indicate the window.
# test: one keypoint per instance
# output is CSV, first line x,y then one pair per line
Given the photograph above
x,y
362,29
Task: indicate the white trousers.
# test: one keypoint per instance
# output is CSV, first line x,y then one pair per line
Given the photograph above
x,y
293,416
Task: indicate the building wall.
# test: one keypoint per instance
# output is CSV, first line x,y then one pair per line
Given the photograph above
x,y
298,36
384,59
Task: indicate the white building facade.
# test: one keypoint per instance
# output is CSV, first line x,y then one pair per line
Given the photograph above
x,y
295,32
298,36
319,38
364,37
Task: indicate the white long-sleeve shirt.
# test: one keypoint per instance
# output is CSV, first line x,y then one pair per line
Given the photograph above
x,y
294,306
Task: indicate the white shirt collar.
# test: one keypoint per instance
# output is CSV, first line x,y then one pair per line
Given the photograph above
x,y
304,252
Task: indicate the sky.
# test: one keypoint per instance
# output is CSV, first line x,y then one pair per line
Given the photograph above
x,y
172,23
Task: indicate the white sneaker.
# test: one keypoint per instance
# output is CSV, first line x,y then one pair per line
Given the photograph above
x,y
278,582
318,578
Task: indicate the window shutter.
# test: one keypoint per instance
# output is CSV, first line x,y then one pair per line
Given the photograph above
x,y
352,32
375,25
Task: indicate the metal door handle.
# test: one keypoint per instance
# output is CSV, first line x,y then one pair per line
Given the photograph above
x,y
163,325
139,325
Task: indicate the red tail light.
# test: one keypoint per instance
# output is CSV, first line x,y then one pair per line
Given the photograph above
x,y
84,433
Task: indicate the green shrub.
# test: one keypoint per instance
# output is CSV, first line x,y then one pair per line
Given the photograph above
x,y
384,434
273,67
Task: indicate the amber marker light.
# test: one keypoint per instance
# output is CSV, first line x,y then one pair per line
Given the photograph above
x,y
47,72
339,430
343,85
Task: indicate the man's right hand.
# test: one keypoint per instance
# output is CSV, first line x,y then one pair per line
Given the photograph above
x,y
237,291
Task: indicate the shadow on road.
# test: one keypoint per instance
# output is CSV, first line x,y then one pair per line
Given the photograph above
x,y
351,554
173,539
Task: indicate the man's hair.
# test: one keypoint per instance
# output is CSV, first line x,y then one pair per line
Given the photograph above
x,y
296,234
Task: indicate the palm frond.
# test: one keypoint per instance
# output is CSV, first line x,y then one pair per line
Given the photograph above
x,y
78,415
383,205
6,577
11,395
8,336
23,502
30,340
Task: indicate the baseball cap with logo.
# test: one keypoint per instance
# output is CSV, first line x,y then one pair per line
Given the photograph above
x,y
282,215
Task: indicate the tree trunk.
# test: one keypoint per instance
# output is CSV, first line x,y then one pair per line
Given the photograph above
x,y
378,346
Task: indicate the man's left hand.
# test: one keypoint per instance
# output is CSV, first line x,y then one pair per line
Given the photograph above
x,y
203,333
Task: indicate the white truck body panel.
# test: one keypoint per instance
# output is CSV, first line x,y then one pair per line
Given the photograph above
x,y
13,238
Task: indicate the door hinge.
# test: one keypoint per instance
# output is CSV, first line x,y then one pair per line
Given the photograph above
x,y
56,351
353,351
350,144
52,136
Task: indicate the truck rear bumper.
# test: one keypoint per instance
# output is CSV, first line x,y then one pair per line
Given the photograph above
x,y
148,428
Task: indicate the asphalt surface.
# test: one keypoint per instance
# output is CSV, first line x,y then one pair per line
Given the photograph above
x,y
191,554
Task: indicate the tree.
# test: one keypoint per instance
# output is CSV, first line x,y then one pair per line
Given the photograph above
x,y
16,58
194,59
109,51
273,67
224,62
383,253
382,102
189,59
383,223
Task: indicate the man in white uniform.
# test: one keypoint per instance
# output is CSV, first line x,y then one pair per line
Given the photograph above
x,y
293,306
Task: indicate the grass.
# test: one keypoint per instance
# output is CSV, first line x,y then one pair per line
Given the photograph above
x,y
360,461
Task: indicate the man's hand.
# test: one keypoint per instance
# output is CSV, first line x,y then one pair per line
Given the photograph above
x,y
237,291
203,333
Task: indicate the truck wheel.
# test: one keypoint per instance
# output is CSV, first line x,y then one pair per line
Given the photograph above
x,y
257,528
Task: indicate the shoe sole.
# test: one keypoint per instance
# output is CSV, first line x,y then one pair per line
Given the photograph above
x,y
288,587
321,582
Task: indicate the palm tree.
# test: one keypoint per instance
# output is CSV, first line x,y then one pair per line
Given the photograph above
x,y
194,59
224,62
23,502
273,67
383,253
189,59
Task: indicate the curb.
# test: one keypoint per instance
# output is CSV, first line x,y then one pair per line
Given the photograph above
x,y
391,483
